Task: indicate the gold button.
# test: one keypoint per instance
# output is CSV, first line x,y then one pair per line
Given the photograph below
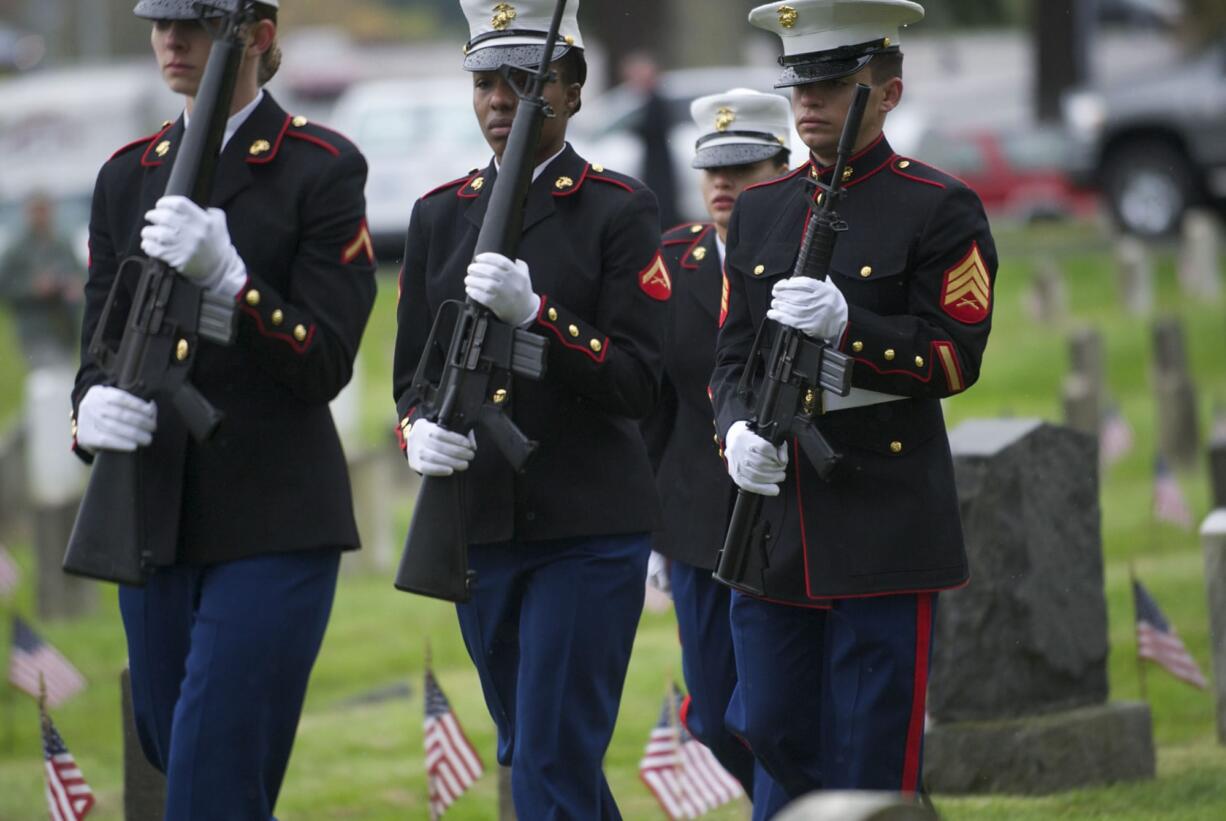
x,y
716,438
573,330
758,270
500,396
277,317
299,121
847,172
700,254
553,315
694,229
595,345
253,297
810,401
885,43
598,168
74,428
570,40
857,346
904,164
919,361
165,124
299,332
896,446
182,350
867,270
889,354
162,148
821,197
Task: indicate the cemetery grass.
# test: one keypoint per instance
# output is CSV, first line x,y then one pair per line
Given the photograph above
x,y
365,760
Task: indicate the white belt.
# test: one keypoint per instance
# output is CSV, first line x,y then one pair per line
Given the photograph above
x,y
858,398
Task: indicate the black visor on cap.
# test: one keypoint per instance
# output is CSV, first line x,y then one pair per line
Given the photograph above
x,y
527,57
183,9
814,67
722,156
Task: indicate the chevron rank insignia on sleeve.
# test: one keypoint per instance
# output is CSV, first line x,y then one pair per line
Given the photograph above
x,y
654,280
360,245
966,294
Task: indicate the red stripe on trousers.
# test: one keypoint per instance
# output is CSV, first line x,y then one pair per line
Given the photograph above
x,y
915,732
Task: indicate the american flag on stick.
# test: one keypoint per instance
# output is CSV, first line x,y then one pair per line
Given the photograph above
x,y
32,659
10,575
680,771
1115,437
69,798
452,763
1158,641
1169,502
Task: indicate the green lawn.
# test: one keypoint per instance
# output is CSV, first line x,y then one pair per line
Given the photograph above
x,y
365,762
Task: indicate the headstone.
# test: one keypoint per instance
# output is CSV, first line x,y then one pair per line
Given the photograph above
x,y
848,805
1135,276
1217,471
1213,539
1019,659
1048,299
371,473
506,804
144,786
12,477
55,479
1085,386
1199,266
1178,431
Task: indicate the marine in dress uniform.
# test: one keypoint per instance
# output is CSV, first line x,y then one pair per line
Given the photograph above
x,y
249,526
744,141
559,551
834,698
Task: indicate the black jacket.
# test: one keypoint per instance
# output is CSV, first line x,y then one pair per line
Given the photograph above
x,y
917,266
273,478
591,242
680,433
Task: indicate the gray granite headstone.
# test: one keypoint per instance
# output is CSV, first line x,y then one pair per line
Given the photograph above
x,y
506,804
144,787
1135,276
1199,265
13,499
1175,395
1048,300
1017,695
1085,387
59,594
1213,539
1028,635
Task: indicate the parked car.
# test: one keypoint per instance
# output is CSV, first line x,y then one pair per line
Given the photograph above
x,y
1022,175
415,134
1158,143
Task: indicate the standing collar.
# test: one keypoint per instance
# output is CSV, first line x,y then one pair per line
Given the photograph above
x,y
235,121
536,172
860,166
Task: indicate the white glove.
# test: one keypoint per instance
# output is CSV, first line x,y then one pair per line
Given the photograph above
x,y
432,450
504,286
113,419
753,463
196,243
814,306
657,573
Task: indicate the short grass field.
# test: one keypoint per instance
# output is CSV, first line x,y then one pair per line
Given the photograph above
x,y
363,759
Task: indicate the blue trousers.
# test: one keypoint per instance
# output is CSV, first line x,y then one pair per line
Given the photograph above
x,y
550,627
220,657
833,699
708,665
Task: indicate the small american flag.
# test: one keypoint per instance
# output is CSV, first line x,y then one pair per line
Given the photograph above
x,y
31,658
1158,641
69,798
680,771
10,574
1114,436
452,763
1169,503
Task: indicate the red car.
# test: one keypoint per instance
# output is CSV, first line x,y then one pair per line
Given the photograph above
x,y
1022,175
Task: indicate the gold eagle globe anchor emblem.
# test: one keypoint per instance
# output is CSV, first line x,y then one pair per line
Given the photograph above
x,y
724,117
787,16
504,13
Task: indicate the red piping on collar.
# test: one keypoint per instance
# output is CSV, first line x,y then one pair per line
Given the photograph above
x,y
144,158
824,169
275,146
324,144
578,183
697,241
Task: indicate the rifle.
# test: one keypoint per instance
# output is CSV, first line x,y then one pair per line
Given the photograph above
x,y
797,370
482,348
167,319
